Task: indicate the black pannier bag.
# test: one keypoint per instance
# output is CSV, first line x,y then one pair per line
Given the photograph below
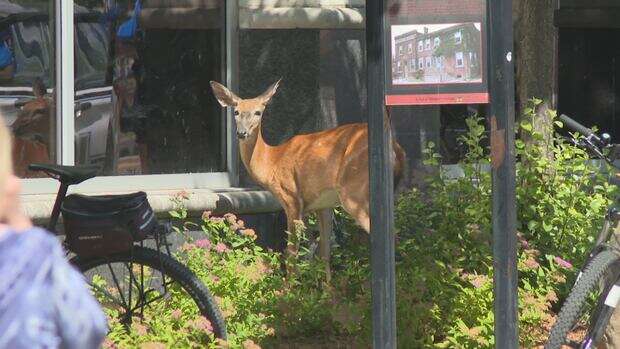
x,y
106,224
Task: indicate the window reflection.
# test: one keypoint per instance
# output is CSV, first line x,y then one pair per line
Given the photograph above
x,y
143,103
91,54
26,79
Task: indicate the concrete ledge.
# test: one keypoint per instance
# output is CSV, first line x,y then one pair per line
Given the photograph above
x,y
235,200
256,14
302,17
301,3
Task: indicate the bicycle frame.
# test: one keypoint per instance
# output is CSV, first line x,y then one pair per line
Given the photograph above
x,y
60,196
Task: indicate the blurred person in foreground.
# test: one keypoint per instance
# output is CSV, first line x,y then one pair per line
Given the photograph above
x,y
44,301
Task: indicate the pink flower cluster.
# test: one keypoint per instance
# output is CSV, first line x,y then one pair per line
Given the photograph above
x,y
182,195
531,263
221,248
202,324
563,263
249,233
203,243
176,314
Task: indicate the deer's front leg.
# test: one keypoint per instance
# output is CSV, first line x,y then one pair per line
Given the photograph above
x,y
294,225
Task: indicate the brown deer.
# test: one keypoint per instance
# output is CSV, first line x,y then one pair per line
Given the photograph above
x,y
32,130
308,173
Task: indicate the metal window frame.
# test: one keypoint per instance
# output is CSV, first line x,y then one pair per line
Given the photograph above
x,y
64,81
65,132
232,81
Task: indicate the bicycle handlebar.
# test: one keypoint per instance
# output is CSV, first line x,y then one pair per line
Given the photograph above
x,y
575,126
591,137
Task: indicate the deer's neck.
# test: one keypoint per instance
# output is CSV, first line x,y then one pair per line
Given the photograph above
x,y
255,156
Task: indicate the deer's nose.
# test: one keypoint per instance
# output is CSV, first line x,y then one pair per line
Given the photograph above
x,y
242,134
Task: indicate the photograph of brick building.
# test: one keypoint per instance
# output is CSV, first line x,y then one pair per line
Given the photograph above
x,y
436,53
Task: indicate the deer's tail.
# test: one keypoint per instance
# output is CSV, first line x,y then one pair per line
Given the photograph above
x,y
401,170
401,165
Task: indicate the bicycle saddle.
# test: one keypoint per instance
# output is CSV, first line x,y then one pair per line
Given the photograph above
x,y
66,174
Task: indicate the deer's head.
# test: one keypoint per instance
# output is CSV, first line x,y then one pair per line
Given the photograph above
x,y
33,117
248,112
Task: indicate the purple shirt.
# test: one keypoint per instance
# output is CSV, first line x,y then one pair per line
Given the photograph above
x,y
44,301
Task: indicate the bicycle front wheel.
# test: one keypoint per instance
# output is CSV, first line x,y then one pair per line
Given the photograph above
x,y
585,315
145,283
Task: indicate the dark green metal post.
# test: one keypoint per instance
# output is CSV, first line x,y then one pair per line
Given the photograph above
x,y
502,119
381,185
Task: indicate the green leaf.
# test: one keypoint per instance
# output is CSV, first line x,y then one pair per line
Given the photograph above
x,y
526,126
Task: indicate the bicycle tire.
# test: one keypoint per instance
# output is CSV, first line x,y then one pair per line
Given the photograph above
x,y
173,269
572,309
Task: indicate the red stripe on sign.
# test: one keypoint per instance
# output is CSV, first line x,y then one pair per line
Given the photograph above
x,y
444,98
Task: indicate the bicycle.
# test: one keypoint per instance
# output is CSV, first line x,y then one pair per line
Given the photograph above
x,y
125,276
599,277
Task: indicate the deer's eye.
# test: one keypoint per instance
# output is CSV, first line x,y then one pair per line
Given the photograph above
x,y
257,113
236,113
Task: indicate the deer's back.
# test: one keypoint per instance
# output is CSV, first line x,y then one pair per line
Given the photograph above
x,y
314,162
329,145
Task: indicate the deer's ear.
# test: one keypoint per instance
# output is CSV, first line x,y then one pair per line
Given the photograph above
x,y
224,95
268,94
38,88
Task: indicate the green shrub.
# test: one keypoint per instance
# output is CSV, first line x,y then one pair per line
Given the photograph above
x,y
561,198
444,259
447,250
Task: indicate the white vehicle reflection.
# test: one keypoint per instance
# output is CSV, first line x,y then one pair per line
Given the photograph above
x,y
26,35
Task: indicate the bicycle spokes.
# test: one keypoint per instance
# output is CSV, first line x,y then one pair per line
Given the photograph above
x,y
127,290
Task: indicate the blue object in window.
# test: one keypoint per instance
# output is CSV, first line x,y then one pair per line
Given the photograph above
x,y
6,56
110,15
128,29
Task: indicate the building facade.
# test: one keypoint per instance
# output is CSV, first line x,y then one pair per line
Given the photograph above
x,y
447,55
139,104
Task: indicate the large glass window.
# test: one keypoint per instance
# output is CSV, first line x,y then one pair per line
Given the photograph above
x,y
27,69
142,97
143,104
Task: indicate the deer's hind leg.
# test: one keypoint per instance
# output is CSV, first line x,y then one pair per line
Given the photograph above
x,y
326,220
354,198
